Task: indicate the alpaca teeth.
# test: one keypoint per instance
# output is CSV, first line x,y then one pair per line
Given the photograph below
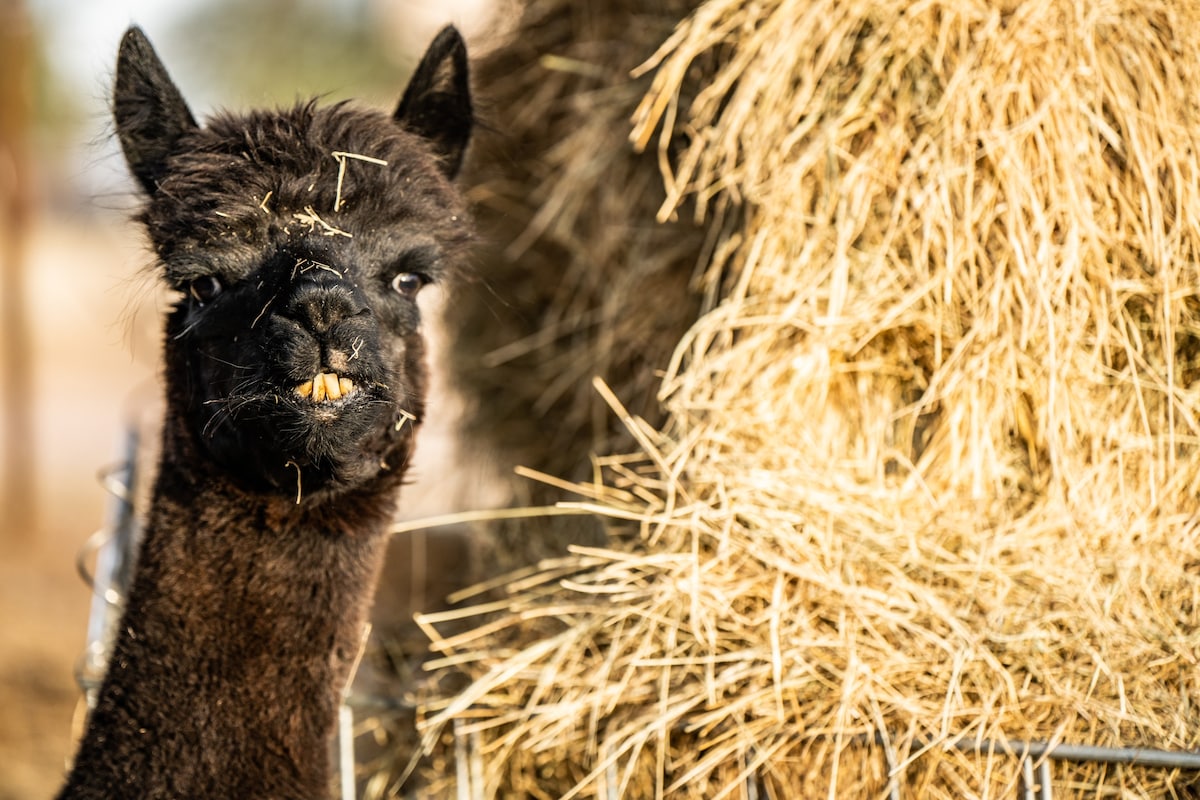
x,y
325,386
333,390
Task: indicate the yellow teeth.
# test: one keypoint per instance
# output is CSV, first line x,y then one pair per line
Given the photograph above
x,y
325,386
332,390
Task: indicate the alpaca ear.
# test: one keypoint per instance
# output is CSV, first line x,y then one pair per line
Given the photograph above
x,y
149,111
437,102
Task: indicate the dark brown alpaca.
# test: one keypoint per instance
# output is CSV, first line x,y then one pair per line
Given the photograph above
x,y
294,381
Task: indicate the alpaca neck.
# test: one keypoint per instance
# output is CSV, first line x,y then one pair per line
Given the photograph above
x,y
243,621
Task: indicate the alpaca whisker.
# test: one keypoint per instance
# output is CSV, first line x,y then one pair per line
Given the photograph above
x,y
191,327
215,422
219,360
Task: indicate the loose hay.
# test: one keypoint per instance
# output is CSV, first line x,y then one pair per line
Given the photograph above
x,y
930,465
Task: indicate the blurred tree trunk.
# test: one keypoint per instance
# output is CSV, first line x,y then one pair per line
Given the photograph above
x,y
16,362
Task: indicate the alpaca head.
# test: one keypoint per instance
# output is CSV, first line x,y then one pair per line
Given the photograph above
x,y
297,241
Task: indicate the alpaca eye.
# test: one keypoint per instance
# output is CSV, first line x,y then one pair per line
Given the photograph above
x,y
205,289
408,283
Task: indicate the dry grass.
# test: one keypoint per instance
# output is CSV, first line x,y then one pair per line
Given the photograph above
x,y
929,467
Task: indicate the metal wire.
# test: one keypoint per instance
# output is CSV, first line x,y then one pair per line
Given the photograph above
x,y
112,547
1083,753
1036,778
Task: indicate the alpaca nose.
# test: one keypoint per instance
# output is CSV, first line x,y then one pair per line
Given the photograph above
x,y
320,305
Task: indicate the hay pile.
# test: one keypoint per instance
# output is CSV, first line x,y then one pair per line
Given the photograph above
x,y
931,456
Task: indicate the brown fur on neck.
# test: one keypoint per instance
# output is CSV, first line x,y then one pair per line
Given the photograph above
x,y
212,659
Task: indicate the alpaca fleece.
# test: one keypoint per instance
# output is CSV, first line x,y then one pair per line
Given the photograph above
x,y
295,383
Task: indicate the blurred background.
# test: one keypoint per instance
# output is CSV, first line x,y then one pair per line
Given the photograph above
x,y
79,308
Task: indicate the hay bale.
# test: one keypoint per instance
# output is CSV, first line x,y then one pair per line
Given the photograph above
x,y
929,468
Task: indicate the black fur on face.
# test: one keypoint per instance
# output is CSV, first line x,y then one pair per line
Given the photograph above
x,y
297,241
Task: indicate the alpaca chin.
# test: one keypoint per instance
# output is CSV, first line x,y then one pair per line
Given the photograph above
x,y
277,441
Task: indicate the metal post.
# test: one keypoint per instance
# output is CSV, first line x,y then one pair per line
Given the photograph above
x,y
1027,780
1046,789
346,751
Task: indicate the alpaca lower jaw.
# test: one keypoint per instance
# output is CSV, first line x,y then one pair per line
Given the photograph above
x,y
275,435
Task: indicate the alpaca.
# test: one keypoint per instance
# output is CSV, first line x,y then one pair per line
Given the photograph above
x,y
294,382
